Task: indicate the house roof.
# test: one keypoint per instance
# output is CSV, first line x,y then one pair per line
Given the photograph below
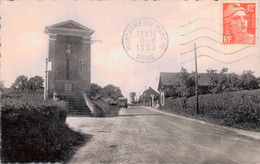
x,y
168,79
150,91
171,79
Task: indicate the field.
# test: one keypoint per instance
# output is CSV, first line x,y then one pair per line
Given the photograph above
x,y
237,109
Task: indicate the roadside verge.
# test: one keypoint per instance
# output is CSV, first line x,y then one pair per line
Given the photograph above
x,y
251,134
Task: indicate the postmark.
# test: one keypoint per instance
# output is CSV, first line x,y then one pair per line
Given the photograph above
x,y
145,40
239,23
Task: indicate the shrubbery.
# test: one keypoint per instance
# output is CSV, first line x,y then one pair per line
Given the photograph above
x,y
33,85
34,130
236,109
217,82
105,99
108,92
223,81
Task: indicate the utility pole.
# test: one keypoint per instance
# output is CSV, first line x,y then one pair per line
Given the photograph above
x,y
196,80
46,81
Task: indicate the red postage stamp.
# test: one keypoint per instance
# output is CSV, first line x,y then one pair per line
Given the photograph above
x,y
239,23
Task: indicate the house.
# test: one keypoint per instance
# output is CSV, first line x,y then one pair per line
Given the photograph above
x,y
169,81
146,97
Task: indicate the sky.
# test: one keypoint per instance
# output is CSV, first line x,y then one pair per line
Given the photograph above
x,y
24,45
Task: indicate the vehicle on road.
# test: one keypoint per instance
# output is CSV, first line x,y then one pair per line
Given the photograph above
x,y
122,102
112,102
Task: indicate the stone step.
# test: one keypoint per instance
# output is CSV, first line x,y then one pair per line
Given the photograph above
x,y
76,104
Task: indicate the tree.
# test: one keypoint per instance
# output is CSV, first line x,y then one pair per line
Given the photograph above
x,y
226,82
219,81
248,81
20,83
35,84
186,83
111,91
2,85
223,84
32,85
258,80
95,91
213,75
233,82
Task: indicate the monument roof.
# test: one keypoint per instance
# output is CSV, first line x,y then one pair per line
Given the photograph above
x,y
69,27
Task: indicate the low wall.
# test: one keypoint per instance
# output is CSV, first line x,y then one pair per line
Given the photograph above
x,y
95,110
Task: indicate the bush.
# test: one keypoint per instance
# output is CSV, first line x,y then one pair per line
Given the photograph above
x,y
236,109
35,131
95,91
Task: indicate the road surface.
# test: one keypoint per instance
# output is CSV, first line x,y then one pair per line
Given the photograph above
x,y
143,135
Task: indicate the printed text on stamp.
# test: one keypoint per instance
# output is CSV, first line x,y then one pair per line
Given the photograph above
x,y
145,40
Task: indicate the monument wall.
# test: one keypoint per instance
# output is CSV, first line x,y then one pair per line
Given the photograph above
x,y
70,56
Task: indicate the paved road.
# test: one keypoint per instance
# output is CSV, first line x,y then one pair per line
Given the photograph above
x,y
143,135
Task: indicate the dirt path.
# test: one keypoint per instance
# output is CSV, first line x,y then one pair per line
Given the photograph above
x,y
141,135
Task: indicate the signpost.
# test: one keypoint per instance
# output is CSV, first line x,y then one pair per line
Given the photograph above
x,y
46,81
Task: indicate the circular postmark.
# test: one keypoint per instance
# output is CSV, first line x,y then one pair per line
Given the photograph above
x,y
145,40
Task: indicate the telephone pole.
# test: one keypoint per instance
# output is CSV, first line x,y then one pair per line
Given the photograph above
x,y
196,80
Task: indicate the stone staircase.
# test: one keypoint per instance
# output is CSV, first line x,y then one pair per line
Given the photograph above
x,y
76,104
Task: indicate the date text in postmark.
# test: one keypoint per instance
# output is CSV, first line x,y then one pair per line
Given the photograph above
x,y
239,23
145,40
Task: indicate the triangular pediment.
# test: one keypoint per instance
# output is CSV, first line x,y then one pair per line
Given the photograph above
x,y
70,25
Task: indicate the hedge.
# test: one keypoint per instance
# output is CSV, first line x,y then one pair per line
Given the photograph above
x,y
35,131
236,109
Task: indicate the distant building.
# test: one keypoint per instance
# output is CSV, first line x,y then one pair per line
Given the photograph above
x,y
146,97
132,98
169,81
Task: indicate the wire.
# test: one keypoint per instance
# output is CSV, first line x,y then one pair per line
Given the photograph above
x,y
235,61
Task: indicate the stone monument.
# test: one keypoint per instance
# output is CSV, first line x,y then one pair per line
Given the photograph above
x,y
70,58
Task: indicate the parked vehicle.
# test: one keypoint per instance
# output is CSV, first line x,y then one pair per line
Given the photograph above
x,y
122,102
112,102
